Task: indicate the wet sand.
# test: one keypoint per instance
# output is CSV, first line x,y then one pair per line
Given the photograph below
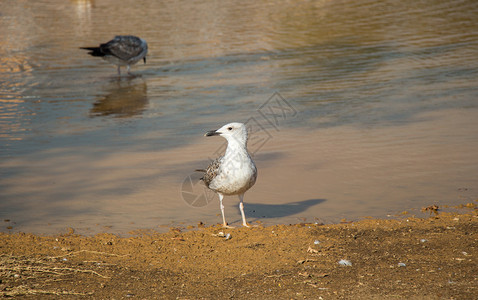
x,y
310,175
430,258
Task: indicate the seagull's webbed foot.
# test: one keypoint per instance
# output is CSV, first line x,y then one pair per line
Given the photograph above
x,y
225,225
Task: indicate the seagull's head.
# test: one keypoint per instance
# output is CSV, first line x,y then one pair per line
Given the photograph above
x,y
232,131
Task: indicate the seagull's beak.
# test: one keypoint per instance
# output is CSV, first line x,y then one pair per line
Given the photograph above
x,y
212,133
144,59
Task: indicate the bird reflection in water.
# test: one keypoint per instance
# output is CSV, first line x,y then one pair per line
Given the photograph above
x,y
125,99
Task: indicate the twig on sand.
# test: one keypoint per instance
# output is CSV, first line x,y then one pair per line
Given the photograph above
x,y
24,290
88,251
82,271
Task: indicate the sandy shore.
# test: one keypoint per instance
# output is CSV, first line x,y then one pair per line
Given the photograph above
x,y
433,258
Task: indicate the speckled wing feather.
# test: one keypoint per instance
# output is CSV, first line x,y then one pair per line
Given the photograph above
x,y
211,171
123,47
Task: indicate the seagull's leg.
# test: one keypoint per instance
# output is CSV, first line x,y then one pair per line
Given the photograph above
x,y
241,208
128,68
119,70
224,223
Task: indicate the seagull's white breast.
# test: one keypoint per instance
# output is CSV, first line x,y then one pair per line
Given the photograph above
x,y
237,174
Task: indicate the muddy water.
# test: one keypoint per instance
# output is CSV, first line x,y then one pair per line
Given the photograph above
x,y
357,108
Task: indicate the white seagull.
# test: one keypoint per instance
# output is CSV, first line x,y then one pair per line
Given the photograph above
x,y
123,50
233,173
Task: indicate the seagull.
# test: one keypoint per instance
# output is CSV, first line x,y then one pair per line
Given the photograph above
x,y
233,173
123,50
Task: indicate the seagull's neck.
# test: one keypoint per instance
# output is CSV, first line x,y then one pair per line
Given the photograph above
x,y
235,147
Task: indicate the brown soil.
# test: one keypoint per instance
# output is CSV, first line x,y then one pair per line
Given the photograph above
x,y
434,258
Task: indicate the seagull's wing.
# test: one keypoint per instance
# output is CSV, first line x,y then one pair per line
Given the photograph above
x,y
123,47
211,171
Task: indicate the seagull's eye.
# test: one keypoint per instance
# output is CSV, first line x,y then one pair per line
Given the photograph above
x,y
230,128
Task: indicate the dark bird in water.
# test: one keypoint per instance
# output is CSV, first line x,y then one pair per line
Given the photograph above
x,y
123,50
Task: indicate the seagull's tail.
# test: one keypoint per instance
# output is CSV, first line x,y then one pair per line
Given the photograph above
x,y
94,51
201,170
